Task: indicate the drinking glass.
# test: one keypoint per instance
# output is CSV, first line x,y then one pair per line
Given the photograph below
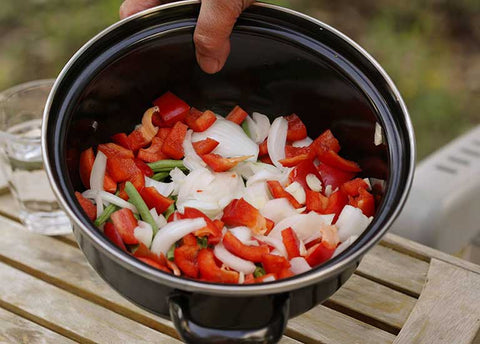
x,y
21,110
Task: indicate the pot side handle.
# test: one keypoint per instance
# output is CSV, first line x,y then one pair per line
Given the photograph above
x,y
195,333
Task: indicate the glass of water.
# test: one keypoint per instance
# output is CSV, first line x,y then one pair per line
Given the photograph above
x,y
21,110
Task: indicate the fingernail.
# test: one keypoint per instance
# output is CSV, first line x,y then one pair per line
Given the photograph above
x,y
209,64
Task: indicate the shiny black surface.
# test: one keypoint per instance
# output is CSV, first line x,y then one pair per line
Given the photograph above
x,y
279,64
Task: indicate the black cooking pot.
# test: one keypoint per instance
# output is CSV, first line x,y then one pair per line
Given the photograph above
x,y
281,62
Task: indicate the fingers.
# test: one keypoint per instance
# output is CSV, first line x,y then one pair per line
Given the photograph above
x,y
130,7
212,33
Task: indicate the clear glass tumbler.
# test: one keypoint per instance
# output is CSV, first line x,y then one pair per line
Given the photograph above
x,y
21,110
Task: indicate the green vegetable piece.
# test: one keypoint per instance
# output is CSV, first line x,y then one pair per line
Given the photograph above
x,y
160,176
137,200
170,210
202,242
166,165
259,272
245,128
109,210
171,253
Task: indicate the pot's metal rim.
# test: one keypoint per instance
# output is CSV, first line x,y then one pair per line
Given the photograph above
x,y
220,289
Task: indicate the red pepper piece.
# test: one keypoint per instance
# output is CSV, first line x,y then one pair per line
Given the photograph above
x,y
291,242
316,201
336,202
263,148
211,230
86,161
364,201
173,145
138,180
219,224
111,233
220,164
299,173
146,170
143,251
252,253
121,139
237,115
154,199
88,207
285,273
325,142
121,191
352,187
273,263
163,133
190,240
270,225
154,264
333,159
333,176
266,159
125,223
249,279
291,151
137,140
209,270
296,128
241,213
294,161
112,150
172,110
261,279
318,254
278,191
200,121
121,170
205,146
154,152
185,257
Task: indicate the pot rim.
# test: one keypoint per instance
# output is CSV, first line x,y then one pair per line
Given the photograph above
x,y
302,280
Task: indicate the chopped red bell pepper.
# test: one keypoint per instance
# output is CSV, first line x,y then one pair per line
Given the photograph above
x,y
143,167
263,148
171,110
252,253
285,273
219,224
336,202
278,191
143,251
200,121
249,279
262,279
121,139
291,242
318,254
294,161
111,233
296,128
190,240
88,207
173,145
241,213
291,151
87,158
154,264
333,159
299,173
121,170
270,225
237,115
163,133
364,201
156,200
220,164
209,270
211,230
121,191
333,176
185,257
273,263
136,140
352,187
112,150
325,142
266,159
316,201
205,146
125,223
138,180
154,152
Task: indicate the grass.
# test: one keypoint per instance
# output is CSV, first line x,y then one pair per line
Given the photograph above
x,y
431,49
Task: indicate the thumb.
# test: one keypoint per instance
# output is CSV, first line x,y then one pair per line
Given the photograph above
x,y
212,33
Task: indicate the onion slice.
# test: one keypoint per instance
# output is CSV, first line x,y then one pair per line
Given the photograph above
x,y
299,265
277,138
192,160
344,245
351,221
110,198
144,233
98,171
232,261
165,189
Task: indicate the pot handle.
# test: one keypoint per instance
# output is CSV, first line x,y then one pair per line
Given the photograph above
x,y
192,331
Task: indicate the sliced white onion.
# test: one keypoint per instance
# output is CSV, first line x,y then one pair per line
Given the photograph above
x,y
277,138
174,231
98,201
242,233
144,233
277,243
191,160
264,175
328,190
232,261
366,180
257,194
344,245
241,278
304,225
299,265
351,221
278,209
302,248
165,189
300,210
313,182
302,143
297,191
98,171
208,208
258,126
378,135
270,278
110,198
232,140
380,182
159,219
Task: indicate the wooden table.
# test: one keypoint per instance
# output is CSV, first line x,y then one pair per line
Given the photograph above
x,y
402,292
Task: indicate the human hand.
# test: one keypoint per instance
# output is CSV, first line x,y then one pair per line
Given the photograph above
x,y
212,33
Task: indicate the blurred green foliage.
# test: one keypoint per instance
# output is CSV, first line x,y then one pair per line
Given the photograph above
x,y
430,48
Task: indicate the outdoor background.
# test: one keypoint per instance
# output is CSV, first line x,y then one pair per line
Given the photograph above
x,y
430,48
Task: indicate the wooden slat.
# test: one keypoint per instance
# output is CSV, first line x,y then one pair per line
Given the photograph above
x,y
448,310
68,314
394,269
326,326
387,308
17,330
8,206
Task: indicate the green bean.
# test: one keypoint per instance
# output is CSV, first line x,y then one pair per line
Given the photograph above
x,y
259,272
109,210
137,200
166,165
202,242
170,210
171,253
245,128
160,176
